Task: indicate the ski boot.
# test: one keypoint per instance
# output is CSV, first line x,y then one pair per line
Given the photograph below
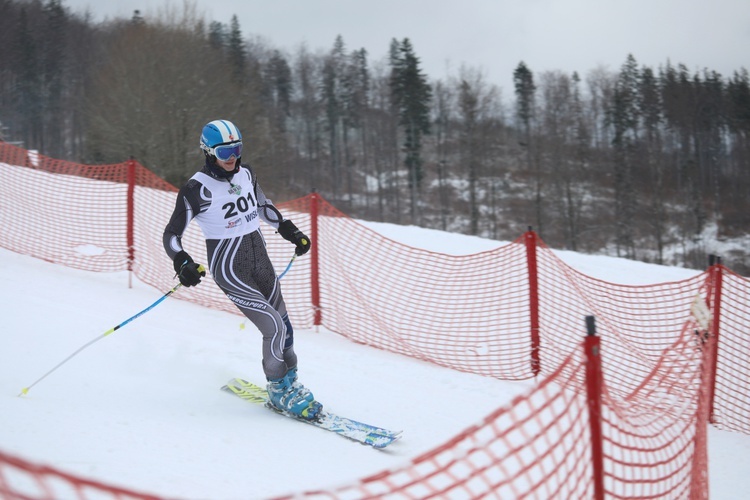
x,y
303,391
288,395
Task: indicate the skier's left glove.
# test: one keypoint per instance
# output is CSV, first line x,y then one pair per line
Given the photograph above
x,y
189,272
289,232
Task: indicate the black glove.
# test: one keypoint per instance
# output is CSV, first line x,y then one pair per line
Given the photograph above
x,y
189,272
289,232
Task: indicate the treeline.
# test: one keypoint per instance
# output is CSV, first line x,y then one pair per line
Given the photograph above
x,y
637,162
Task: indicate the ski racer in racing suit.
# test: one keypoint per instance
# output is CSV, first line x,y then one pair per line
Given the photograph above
x,y
224,197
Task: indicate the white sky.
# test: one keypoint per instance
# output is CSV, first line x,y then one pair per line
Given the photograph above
x,y
493,35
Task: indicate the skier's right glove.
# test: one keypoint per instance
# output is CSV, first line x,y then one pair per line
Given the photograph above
x,y
189,272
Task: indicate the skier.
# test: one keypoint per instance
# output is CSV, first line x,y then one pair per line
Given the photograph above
x,y
224,197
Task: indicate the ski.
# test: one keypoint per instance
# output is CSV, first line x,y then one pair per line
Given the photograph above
x,y
377,437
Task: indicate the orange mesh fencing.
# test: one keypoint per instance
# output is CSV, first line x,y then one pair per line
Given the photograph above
x,y
731,402
24,480
539,446
513,313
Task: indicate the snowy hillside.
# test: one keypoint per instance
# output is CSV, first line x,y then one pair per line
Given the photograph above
x,y
142,408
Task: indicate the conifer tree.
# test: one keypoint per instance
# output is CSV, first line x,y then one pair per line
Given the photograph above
x,y
624,118
412,96
736,216
652,165
468,105
237,53
217,36
307,109
356,88
525,90
333,69
278,76
443,116
53,56
29,84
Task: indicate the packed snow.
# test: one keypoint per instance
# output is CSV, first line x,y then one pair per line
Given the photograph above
x,y
141,408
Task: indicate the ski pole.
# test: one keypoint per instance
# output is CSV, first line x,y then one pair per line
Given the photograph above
x,y
26,390
288,266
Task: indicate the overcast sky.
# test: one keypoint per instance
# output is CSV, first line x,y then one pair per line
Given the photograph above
x,y
491,35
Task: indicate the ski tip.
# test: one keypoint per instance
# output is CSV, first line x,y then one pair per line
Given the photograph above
x,y
237,380
382,444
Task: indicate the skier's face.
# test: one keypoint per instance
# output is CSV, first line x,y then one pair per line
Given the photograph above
x,y
227,165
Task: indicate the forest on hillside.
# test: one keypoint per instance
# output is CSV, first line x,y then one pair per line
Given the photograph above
x,y
640,162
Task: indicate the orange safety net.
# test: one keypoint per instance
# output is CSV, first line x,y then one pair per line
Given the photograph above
x,y
539,446
511,313
24,480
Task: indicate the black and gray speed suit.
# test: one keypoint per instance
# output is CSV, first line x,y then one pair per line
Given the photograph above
x,y
228,212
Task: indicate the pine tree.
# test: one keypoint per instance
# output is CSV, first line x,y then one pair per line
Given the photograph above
x,y
356,111
237,53
443,107
525,90
653,167
333,69
468,105
307,109
736,216
217,36
738,97
29,64
412,96
575,175
278,76
53,55
624,117
711,130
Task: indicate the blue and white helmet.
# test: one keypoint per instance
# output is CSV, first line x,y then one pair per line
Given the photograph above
x,y
222,139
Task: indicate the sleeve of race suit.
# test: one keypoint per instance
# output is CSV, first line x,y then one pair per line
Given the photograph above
x,y
190,200
266,210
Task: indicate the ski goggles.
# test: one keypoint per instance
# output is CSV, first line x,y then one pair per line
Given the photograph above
x,y
225,151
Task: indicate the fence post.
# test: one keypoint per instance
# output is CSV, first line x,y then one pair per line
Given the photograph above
x,y
716,279
594,396
314,253
530,240
699,476
131,218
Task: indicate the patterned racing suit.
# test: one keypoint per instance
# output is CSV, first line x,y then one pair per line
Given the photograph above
x,y
228,213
